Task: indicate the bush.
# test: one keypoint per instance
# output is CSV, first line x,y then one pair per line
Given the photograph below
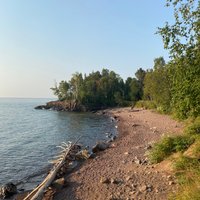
x,y
187,163
161,150
182,142
169,145
146,104
194,128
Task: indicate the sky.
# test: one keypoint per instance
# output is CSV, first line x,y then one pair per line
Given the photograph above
x,y
43,41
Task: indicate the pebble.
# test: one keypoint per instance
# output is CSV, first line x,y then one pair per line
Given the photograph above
x,y
128,178
156,190
114,181
137,161
142,188
147,188
104,180
169,177
124,161
171,182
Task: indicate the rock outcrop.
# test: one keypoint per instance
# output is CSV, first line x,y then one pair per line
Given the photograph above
x,y
62,106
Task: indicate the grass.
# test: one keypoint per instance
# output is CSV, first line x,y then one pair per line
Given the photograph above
x,y
145,104
193,128
188,191
187,165
169,145
188,174
196,149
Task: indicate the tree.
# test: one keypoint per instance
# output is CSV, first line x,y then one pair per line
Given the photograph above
x,y
182,39
184,34
62,91
75,84
157,85
140,75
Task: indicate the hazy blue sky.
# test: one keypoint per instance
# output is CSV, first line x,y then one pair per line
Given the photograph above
x,y
45,40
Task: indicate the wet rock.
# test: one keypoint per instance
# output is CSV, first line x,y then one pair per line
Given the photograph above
x,y
100,146
41,107
84,154
115,117
8,190
112,139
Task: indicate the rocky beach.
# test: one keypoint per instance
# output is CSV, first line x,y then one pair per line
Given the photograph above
x,y
123,171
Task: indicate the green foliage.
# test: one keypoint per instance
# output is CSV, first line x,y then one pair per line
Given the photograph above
x,y
188,174
189,191
145,104
62,90
196,149
185,86
157,85
161,150
194,128
186,163
101,89
184,33
169,145
182,39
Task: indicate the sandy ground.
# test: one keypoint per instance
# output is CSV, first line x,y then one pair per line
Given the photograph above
x,y
122,171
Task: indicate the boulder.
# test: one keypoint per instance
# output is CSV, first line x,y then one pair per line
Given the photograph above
x,y
8,190
100,146
41,107
59,183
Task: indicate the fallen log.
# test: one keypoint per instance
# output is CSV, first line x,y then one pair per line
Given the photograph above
x,y
67,151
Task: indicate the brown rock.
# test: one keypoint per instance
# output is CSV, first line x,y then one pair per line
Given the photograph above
x,y
104,180
59,183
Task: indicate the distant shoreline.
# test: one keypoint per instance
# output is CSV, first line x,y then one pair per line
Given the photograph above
x,y
70,106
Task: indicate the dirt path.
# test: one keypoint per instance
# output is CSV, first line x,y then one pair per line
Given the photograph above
x,y
123,167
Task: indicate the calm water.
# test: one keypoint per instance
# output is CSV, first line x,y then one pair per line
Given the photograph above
x,y
28,137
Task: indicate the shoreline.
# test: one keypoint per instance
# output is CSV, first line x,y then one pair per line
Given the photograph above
x,y
123,171
124,167
42,174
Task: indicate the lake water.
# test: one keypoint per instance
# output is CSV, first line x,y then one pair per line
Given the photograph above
x,y
28,137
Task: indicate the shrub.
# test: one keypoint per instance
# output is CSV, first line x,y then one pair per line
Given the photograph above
x,y
194,128
161,150
182,142
169,145
186,163
146,104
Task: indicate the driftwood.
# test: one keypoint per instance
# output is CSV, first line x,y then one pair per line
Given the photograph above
x,y
68,150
